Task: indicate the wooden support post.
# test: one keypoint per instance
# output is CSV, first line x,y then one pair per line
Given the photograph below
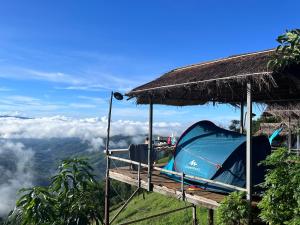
x,y
107,181
194,215
210,217
242,118
298,143
139,175
182,186
290,135
150,163
298,138
249,149
124,206
156,215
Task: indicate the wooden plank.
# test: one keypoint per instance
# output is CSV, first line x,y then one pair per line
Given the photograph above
x,y
166,186
179,174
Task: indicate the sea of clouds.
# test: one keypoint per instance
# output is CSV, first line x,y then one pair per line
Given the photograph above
x,y
16,175
89,130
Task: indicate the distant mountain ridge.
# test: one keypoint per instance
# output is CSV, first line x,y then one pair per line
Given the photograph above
x,y
17,117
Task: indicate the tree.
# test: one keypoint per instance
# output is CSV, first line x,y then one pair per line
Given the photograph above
x,y
233,210
234,125
73,197
281,201
287,52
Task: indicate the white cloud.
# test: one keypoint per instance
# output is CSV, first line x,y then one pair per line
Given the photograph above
x,y
21,73
31,105
15,176
5,89
96,100
85,88
85,80
82,105
22,99
90,130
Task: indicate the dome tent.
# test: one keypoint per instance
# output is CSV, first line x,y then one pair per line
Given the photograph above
x,y
208,151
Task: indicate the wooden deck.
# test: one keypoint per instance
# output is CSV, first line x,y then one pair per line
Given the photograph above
x,y
164,185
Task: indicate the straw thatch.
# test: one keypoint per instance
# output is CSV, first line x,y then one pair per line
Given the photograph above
x,y
269,128
285,112
221,81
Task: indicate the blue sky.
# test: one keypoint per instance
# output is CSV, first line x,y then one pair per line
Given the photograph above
x,y
63,57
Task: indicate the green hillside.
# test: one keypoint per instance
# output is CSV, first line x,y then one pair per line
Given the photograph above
x,y
155,203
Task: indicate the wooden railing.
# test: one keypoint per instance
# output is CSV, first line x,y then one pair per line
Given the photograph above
x,y
182,175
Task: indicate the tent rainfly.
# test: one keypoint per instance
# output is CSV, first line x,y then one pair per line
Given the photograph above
x,y
208,151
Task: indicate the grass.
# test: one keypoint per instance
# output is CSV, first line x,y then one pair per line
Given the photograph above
x,y
156,203
164,160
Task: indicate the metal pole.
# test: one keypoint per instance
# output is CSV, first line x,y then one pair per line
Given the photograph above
x,y
150,146
249,149
107,181
210,217
194,215
242,118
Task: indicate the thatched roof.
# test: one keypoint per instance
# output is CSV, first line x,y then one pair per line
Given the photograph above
x,y
269,128
284,112
222,81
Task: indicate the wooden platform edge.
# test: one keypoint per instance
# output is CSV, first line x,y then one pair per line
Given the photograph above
x,y
194,199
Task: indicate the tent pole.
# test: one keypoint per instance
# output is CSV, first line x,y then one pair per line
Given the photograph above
x,y
107,181
249,149
242,118
150,145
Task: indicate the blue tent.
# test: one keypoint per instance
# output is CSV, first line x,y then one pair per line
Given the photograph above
x,y
208,151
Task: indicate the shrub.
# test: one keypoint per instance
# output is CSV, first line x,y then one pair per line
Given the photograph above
x,y
74,197
281,201
233,210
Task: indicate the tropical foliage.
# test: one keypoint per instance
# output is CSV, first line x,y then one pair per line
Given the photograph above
x,y
288,51
281,201
73,197
233,210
